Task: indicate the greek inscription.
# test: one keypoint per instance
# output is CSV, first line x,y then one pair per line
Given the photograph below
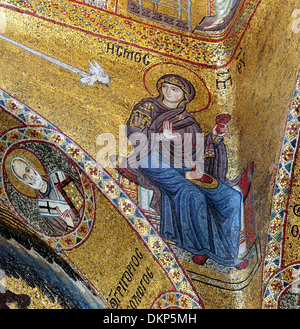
x,y
241,60
223,79
115,296
296,210
295,231
137,297
134,56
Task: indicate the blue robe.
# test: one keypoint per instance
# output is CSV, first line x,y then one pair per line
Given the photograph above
x,y
202,221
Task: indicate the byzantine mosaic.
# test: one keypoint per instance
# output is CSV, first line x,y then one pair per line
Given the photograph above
x,y
148,271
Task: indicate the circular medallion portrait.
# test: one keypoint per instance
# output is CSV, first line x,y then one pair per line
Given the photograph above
x,y
44,187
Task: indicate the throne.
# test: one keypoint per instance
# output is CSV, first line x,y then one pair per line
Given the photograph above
x,y
211,273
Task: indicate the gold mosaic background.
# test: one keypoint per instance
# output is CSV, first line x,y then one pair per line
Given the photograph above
x,y
263,70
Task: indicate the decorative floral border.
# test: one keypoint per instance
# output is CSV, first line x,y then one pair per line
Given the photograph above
x,y
279,284
102,181
174,300
273,275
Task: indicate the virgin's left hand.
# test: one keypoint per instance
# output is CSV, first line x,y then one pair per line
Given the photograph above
x,y
220,130
194,174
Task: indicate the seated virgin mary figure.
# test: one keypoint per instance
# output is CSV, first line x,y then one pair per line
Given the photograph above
x,y
199,207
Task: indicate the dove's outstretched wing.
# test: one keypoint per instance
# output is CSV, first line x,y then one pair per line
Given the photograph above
x,y
96,69
97,74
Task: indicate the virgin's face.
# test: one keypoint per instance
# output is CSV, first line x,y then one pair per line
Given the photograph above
x,y
172,95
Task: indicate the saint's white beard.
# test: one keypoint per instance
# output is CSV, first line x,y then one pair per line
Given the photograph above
x,y
37,182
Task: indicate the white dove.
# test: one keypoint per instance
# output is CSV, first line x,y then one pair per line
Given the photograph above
x,y
97,74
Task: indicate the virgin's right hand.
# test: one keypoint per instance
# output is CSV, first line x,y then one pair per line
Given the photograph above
x,y
168,131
